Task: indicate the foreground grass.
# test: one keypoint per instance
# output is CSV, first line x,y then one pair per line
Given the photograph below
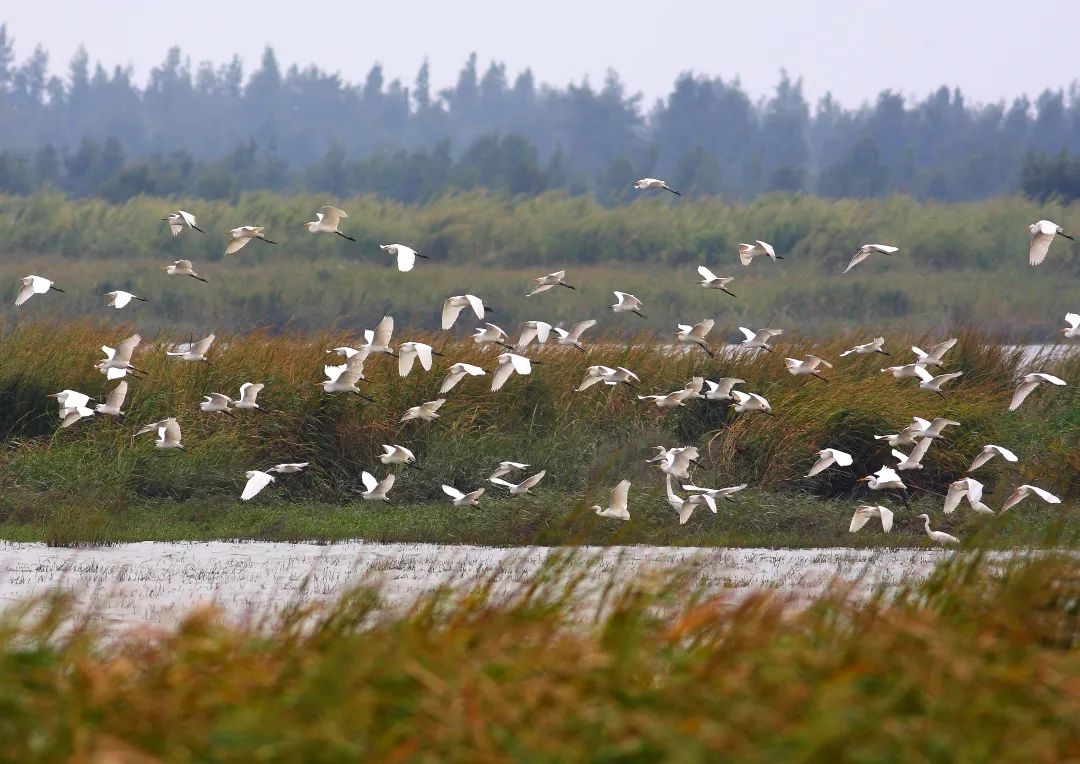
x,y
967,666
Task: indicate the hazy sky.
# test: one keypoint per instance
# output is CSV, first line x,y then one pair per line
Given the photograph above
x,y
853,48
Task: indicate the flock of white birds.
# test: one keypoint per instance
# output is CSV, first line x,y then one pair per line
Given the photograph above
x,y
675,463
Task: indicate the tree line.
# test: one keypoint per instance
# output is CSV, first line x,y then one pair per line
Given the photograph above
x,y
216,130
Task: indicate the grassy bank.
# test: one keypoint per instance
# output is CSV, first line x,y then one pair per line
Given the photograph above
x,y
966,666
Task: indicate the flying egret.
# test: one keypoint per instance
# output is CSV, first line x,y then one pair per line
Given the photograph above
x,y
627,303
398,455
1023,492
675,462
827,457
117,361
378,340
32,285
533,330
523,487
289,468
901,372
988,452
710,280
884,478
376,489
452,307
249,393
216,403
256,481
119,299
933,384
616,502
509,363
73,406
750,402
594,375
866,250
183,268
760,338
653,183
409,352
152,427
1042,233
696,334
114,402
239,237
912,461
168,435
573,337
1028,384
343,378
505,468
459,499
809,366
406,256
693,388
458,372
1072,331
327,220
935,354
870,347
425,411
668,401
717,493
938,537
345,352
747,252
921,428
180,220
545,283
864,513
492,335
685,507
608,376
721,389
196,352
972,489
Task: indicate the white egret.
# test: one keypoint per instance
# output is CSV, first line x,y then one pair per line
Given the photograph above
x,y
73,406
616,502
545,283
884,478
627,303
180,220
1072,331
716,493
809,366
760,338
117,361
452,307
905,437
594,375
406,256
239,237
152,427
458,372
912,461
289,468
693,388
196,352
933,384
933,356
183,268
459,499
722,388
1028,384
409,352
876,346
256,481
654,183
988,452
32,285
696,334
509,363
378,341
827,457
675,462
921,428
376,489
972,489
216,403
523,487
249,393
1042,233
866,250
398,455
491,335
343,378
864,513
505,468
168,435
345,352
901,372
1023,492
685,507
747,252
533,330
119,299
573,337
114,402
327,220
938,537
745,402
710,280
668,401
425,411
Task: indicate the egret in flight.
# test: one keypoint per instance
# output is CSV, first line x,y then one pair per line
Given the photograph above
x,y
1028,385
114,402
183,268
1072,331
654,183
876,346
901,372
685,507
452,307
884,478
398,455
1023,492
809,366
533,330
1042,233
972,489
509,363
747,252
710,280
523,487
827,457
721,389
406,256
216,403
196,352
676,462
117,361
32,285
935,354
933,384
627,303
717,493
544,283
505,468
239,237
988,452
378,340
912,461
120,299
864,513
256,481
409,352
760,338
745,402
180,220
458,372
491,335
289,468
616,502
376,489
573,337
938,537
168,435
343,378
249,393
73,406
425,411
327,220
866,250
696,334
459,499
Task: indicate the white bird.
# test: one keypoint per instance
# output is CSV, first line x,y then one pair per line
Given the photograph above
x,y
545,283
710,280
884,478
653,183
721,389
114,402
1042,233
168,435
452,307
196,352
675,462
609,376
760,338
180,220
533,330
249,393
183,268
509,363
627,303
972,489
809,366
343,378
155,427
938,537
594,375
406,256
866,250
716,493
117,361
750,402
73,406
256,481
827,457
492,335
933,384
1028,385
685,507
408,352
239,237
668,401
876,346
459,499
696,334
901,372
398,455
327,220
747,252
376,490
933,356
921,428
1072,331
458,372
523,487
905,437
864,513
288,468
573,337
216,403
32,285
616,502
693,388
425,411
1023,492
119,299
988,452
912,461
345,352
505,468
378,340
